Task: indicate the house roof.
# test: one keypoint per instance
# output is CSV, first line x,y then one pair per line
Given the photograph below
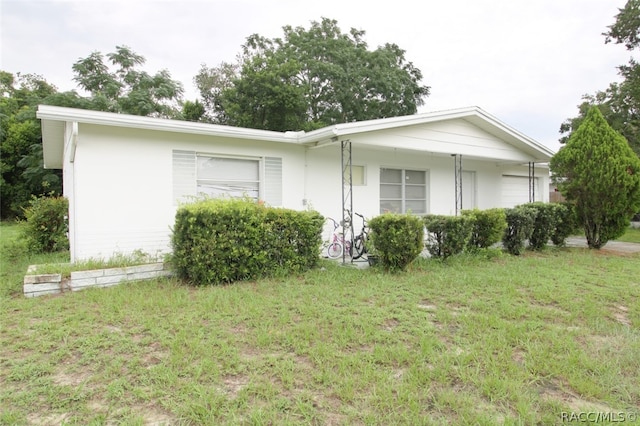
x,y
54,119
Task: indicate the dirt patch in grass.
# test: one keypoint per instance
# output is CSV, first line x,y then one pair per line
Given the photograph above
x,y
620,313
233,384
558,390
390,324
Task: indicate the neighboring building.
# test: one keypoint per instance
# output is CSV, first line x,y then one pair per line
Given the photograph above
x,y
125,175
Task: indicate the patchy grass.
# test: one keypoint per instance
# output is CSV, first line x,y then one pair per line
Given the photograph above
x,y
505,340
632,235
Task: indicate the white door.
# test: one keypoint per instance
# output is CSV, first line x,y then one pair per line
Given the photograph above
x,y
515,190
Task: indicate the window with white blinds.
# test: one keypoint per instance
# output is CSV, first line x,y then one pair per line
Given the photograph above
x,y
233,177
217,176
403,191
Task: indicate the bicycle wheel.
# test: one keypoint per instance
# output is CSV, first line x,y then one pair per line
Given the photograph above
x,y
334,250
359,247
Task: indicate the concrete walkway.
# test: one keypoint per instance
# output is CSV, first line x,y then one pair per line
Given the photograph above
x,y
612,246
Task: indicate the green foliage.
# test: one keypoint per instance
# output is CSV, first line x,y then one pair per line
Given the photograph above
x,y
626,29
447,235
567,223
22,174
620,102
520,222
545,222
311,78
598,172
487,227
46,225
127,89
224,240
398,239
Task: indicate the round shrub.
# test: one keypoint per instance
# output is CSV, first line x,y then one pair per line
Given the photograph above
x,y
46,229
398,239
545,222
447,235
519,227
567,223
487,227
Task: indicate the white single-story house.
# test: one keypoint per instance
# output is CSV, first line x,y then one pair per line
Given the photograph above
x,y
125,176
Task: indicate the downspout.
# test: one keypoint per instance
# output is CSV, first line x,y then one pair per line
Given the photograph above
x,y
68,168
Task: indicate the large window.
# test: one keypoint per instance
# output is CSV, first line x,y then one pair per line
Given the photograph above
x,y
403,191
234,177
219,175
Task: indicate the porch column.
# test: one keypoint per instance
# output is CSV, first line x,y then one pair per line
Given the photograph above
x,y
457,166
532,181
347,197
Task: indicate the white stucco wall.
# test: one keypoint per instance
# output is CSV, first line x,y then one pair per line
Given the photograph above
x,y
120,186
122,194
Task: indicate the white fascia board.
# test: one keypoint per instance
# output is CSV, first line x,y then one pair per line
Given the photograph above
x,y
51,113
473,114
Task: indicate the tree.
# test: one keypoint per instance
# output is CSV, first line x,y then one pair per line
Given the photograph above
x,y
211,82
620,102
311,78
598,172
127,89
21,142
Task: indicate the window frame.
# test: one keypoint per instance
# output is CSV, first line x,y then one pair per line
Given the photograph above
x,y
403,193
260,164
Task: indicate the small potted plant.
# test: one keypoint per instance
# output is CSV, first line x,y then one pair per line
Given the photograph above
x,y
372,253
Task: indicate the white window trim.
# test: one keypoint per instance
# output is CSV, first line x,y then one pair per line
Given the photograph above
x,y
403,200
260,161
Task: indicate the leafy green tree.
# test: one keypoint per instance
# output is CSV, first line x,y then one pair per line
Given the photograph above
x,y
193,111
599,173
211,82
311,78
21,142
620,102
126,89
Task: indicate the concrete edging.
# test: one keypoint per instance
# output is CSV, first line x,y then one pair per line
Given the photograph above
x,y
39,285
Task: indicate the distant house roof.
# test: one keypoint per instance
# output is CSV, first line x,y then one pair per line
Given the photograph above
x,y
54,119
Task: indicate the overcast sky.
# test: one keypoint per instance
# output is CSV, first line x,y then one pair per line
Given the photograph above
x,y
527,62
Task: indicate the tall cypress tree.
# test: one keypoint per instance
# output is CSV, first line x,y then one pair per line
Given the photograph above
x,y
600,173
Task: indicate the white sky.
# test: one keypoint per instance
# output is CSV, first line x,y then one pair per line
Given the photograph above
x,y
527,62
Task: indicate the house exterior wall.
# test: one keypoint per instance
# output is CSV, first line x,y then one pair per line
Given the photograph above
x,y
122,190
121,182
324,179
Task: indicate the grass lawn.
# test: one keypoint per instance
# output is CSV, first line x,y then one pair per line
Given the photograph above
x,y
507,340
632,235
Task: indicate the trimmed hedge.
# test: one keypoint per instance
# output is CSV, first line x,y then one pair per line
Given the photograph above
x,y
487,227
47,226
544,224
398,239
520,222
567,223
224,240
447,235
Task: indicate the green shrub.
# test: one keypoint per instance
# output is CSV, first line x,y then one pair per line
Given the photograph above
x,y
46,228
519,227
224,240
447,235
567,223
398,239
544,224
487,227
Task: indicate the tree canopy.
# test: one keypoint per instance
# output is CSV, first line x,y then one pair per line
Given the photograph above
x,y
311,78
127,89
598,172
620,102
